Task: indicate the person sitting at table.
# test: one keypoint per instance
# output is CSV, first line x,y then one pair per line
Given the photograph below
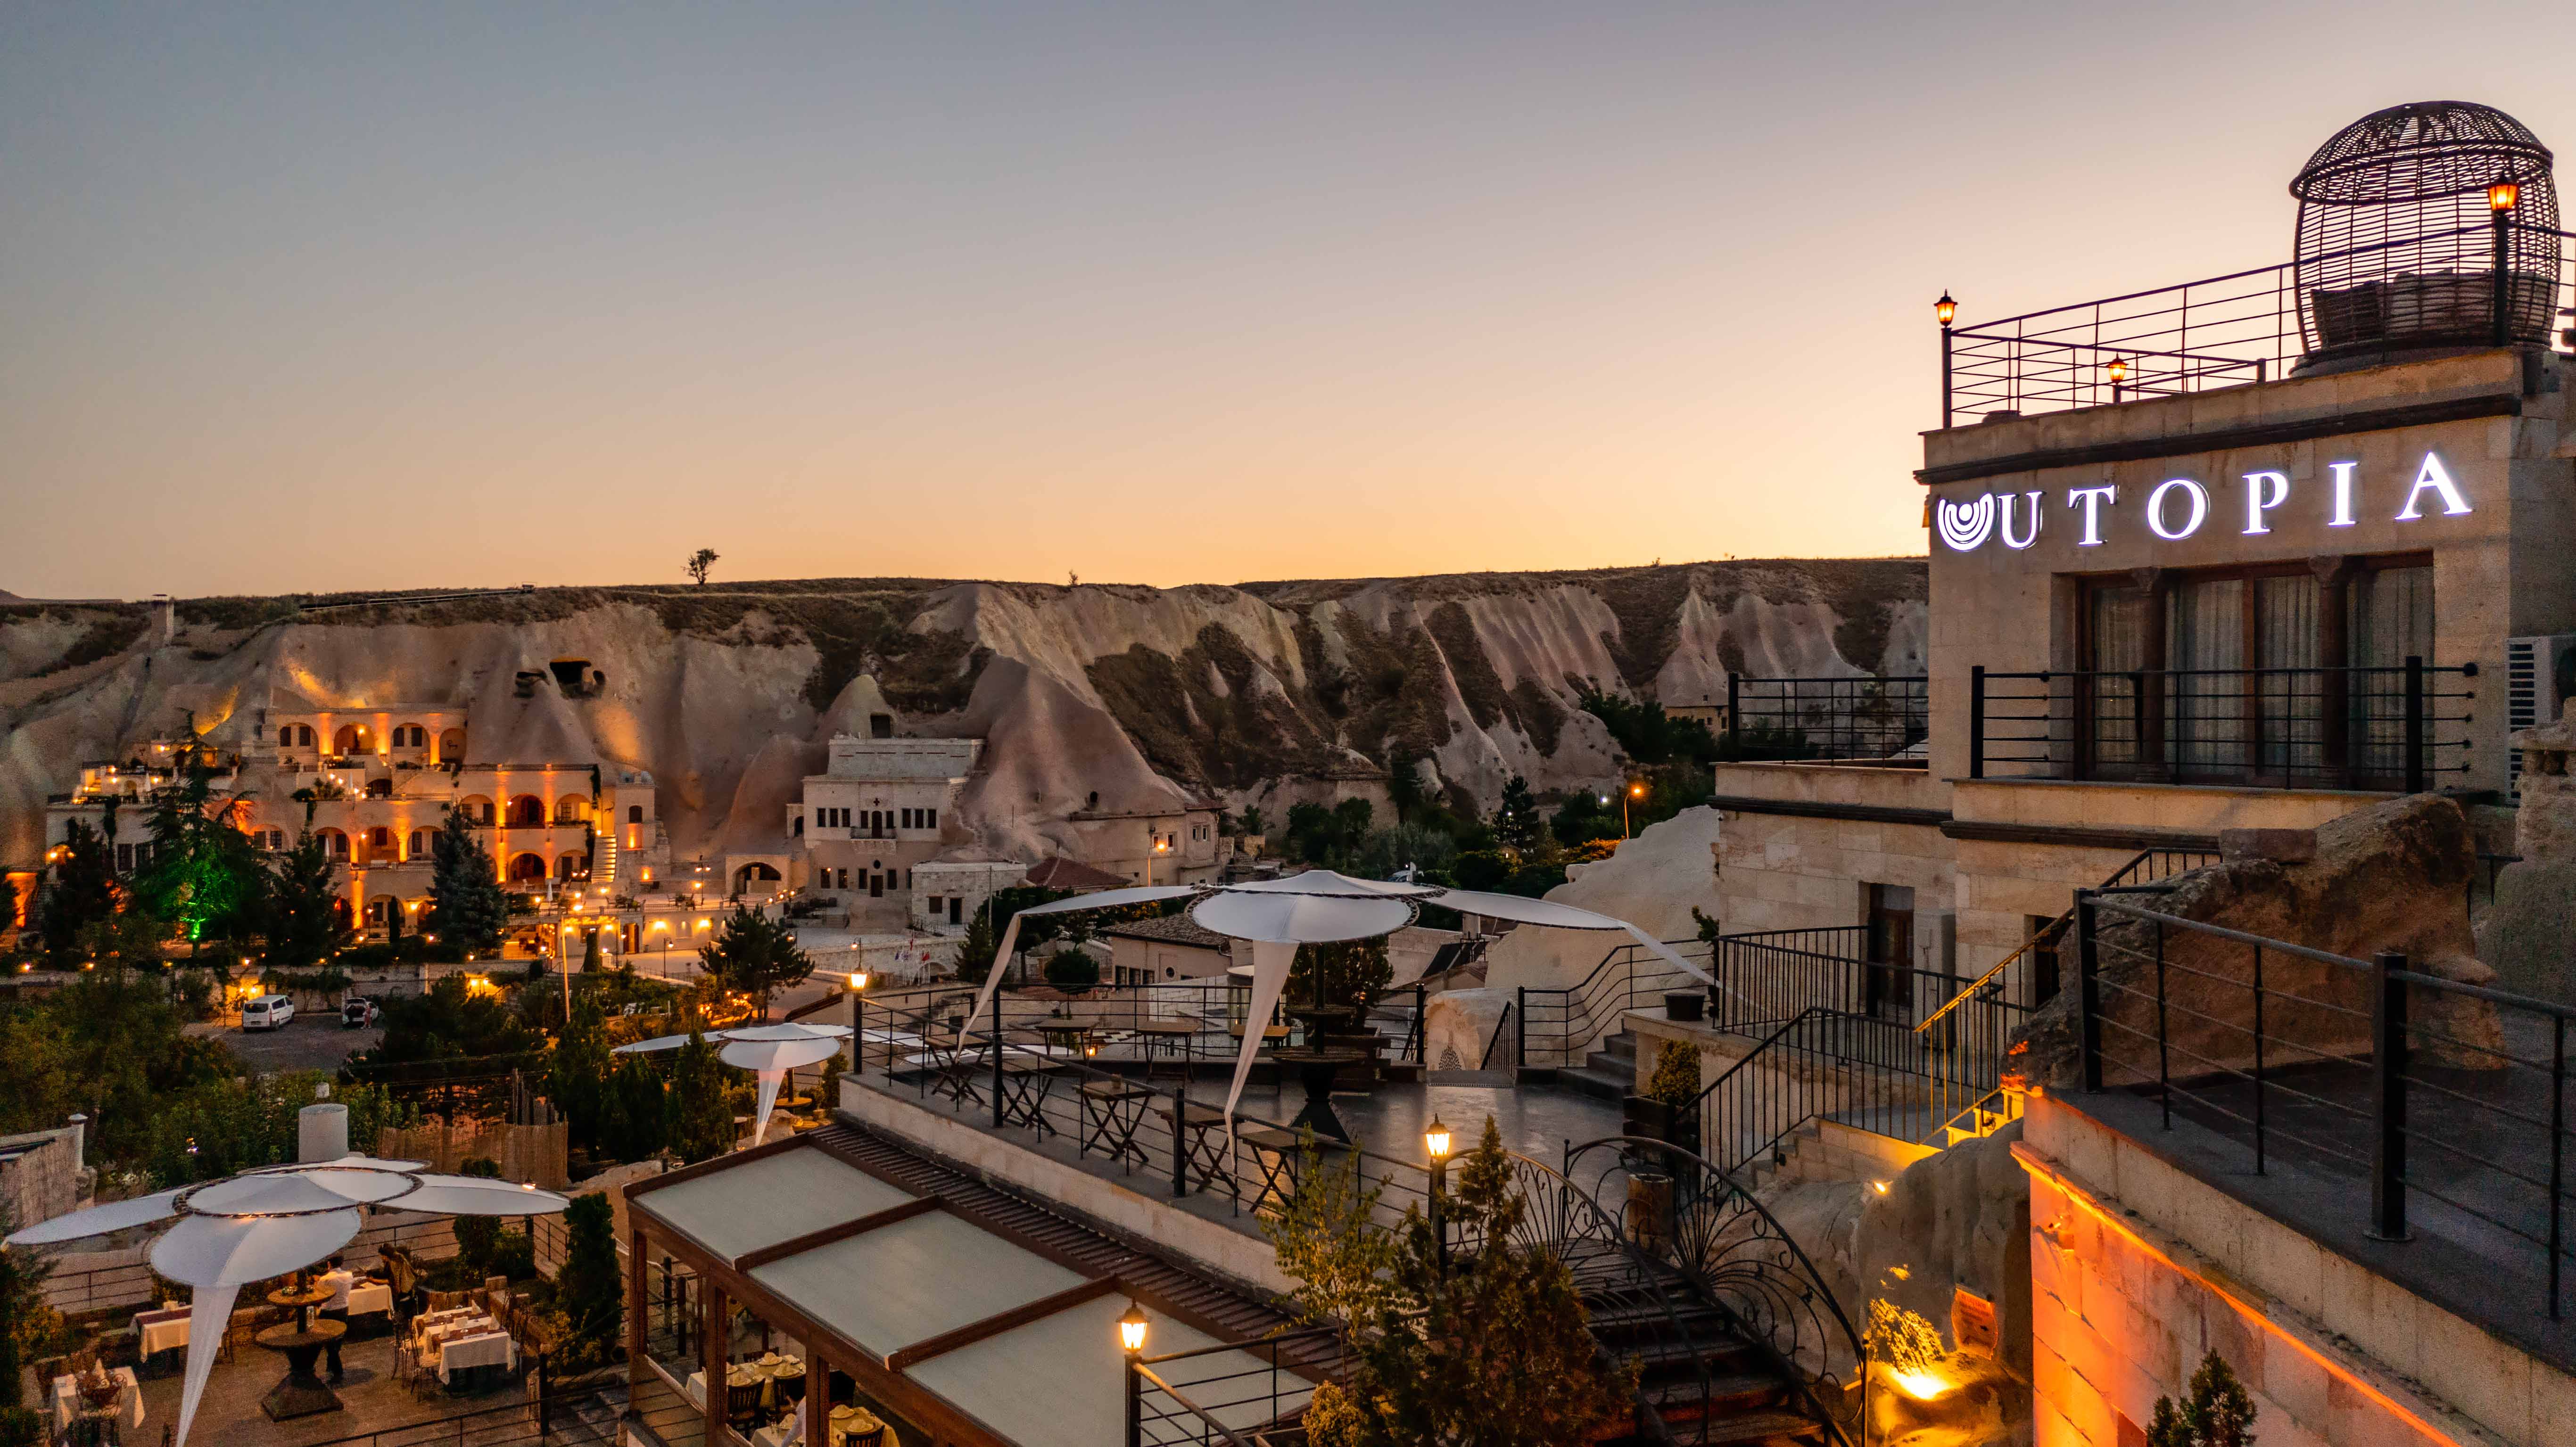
x,y
338,1278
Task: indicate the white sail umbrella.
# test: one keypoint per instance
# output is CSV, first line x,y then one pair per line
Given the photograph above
x,y
271,1221
767,1051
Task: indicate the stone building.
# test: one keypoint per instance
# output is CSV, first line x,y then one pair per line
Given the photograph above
x,y
880,807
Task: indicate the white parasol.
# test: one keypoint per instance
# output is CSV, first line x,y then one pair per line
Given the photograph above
x,y
767,1051
271,1221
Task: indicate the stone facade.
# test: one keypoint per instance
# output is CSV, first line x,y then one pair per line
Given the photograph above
x,y
2139,1268
41,1176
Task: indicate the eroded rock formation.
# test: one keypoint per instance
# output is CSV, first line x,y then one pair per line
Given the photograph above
x,y
1259,694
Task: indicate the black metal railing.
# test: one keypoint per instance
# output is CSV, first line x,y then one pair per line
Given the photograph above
x,y
2402,727
1210,1396
2443,1105
2233,330
1730,1247
1873,1073
1828,720
1557,1026
528,1420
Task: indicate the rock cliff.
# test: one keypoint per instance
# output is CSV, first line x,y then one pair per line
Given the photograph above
x,y
1262,694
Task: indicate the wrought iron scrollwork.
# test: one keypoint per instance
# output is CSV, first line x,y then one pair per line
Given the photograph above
x,y
1733,1253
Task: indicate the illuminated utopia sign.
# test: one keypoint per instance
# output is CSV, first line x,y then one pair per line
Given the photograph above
x,y
2178,507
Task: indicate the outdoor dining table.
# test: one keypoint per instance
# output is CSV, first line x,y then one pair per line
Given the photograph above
x,y
1172,1036
853,1426
164,1330
1112,1109
1203,1143
482,1349
69,1407
301,1393
303,1301
1028,1078
1316,1065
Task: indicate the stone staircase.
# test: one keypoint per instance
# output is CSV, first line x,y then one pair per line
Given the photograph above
x,y
1705,1384
1609,1072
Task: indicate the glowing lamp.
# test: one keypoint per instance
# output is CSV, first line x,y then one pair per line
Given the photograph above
x,y
858,979
2118,369
1879,1186
1636,791
1435,1139
1946,309
1921,1385
2503,196
1131,1330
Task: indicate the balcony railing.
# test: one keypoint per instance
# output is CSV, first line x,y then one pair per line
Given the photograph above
x,y
2428,1113
2241,328
1874,720
2402,728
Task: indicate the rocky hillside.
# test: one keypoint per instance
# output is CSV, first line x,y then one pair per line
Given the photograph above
x,y
1265,693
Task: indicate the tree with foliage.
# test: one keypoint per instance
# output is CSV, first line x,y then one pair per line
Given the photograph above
x,y
634,1117
699,563
478,1236
83,890
467,911
1491,1349
701,1105
204,876
1073,968
1327,837
587,1285
451,1021
755,954
2218,1413
1252,821
307,921
1354,972
577,1074
975,951
1516,822
28,1325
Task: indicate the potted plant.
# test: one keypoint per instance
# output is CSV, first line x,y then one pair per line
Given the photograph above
x,y
1668,1108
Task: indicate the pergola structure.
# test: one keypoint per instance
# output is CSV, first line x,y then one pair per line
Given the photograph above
x,y
954,1309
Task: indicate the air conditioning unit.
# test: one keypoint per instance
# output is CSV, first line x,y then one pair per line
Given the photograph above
x,y
2539,679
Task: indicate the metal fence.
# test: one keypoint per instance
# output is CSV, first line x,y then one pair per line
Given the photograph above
x,y
2439,1108
2222,331
1828,720
1208,1397
2402,727
1552,1027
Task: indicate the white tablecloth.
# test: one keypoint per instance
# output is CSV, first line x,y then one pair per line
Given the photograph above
x,y
129,1400
366,1297
161,1331
490,1349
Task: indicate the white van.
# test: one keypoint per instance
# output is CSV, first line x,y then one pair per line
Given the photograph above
x,y
267,1012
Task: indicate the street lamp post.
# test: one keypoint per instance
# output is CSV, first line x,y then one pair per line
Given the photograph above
x,y
1435,1141
1635,791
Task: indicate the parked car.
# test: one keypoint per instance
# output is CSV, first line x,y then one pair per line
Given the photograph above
x,y
358,1012
267,1012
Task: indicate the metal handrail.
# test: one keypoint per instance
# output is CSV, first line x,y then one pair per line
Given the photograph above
x,y
2056,927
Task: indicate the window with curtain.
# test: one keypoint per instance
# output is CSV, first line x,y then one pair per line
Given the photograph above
x,y
2224,675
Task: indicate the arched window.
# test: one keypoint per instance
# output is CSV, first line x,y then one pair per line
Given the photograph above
x,y
451,746
338,842
634,813
527,868
353,739
527,810
380,837
571,809
286,737
570,865
419,842
304,736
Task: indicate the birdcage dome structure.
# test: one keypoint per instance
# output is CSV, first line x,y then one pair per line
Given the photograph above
x,y
2397,240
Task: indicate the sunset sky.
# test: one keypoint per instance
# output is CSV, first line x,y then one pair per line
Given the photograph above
x,y
348,297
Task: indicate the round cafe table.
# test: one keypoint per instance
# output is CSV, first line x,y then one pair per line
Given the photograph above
x,y
1316,1065
302,1394
303,1301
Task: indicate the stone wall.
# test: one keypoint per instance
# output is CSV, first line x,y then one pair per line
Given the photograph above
x,y
2138,1269
525,1152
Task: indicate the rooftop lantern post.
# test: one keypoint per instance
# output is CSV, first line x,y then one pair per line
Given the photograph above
x,y
2502,196
2119,373
1947,311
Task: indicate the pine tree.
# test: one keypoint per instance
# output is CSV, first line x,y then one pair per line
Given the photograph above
x,y
306,921
1516,822
204,876
634,1119
1492,1348
577,1073
701,1110
587,1284
467,910
975,951
754,955
2218,1412
83,890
